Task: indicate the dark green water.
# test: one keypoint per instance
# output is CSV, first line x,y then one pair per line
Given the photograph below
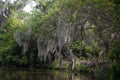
x,y
17,74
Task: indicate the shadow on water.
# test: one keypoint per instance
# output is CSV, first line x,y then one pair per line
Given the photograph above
x,y
6,74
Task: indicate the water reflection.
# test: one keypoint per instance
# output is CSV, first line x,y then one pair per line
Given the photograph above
x,y
39,75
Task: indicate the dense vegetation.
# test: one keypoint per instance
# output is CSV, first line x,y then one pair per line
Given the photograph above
x,y
82,35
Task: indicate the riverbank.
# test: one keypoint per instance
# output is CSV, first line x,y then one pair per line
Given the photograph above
x,y
40,75
63,74
99,70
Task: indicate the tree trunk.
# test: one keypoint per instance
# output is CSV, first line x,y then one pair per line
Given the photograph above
x,y
73,64
60,61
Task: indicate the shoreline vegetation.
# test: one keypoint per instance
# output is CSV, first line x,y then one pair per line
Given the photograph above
x,y
83,67
90,71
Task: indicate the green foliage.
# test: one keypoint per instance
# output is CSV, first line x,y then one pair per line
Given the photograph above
x,y
114,54
114,71
116,17
10,51
10,55
55,65
76,44
115,61
88,50
82,68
